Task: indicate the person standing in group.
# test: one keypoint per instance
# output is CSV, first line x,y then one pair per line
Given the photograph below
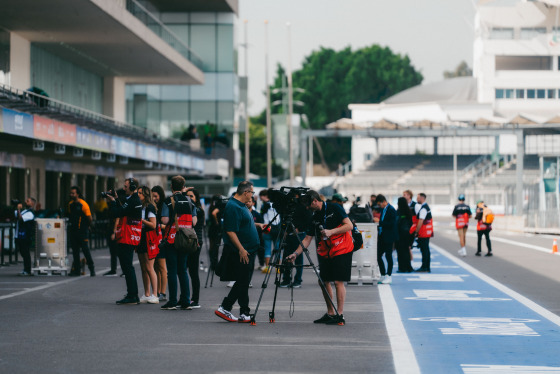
x,y
160,266
79,217
483,228
462,213
386,238
194,259
180,214
407,194
146,251
128,233
241,242
337,198
215,229
25,230
331,228
404,242
424,231
272,220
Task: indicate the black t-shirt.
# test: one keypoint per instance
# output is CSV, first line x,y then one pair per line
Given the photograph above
x,y
460,209
329,217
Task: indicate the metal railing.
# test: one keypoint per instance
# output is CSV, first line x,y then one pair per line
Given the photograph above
x,y
154,24
8,246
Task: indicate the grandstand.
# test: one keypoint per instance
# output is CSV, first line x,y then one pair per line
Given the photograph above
x,y
479,176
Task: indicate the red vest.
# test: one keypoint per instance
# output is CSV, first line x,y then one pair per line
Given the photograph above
x,y
336,245
129,231
462,220
184,221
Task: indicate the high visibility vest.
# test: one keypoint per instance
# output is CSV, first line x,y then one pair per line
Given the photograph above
x,y
184,221
462,220
427,229
129,231
336,245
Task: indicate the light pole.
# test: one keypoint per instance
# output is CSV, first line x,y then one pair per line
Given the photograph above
x,y
247,106
290,107
268,119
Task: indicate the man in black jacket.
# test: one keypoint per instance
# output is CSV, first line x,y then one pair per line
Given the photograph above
x,y
128,234
386,238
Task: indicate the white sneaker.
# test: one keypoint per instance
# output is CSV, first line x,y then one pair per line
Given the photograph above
x,y
387,280
244,319
144,299
463,252
225,314
380,281
153,299
230,284
250,285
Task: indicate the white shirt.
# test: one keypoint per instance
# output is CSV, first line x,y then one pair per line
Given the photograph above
x,y
26,215
269,215
421,211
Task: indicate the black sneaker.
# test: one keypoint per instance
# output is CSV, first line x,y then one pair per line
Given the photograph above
x,y
324,319
92,273
421,270
195,305
477,254
489,254
336,320
110,274
129,300
169,306
296,285
185,306
285,284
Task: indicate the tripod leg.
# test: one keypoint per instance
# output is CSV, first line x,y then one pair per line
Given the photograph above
x,y
207,277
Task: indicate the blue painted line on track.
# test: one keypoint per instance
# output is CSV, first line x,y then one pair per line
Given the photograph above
x,y
458,323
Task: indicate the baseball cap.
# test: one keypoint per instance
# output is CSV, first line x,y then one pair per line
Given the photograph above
x,y
339,197
461,197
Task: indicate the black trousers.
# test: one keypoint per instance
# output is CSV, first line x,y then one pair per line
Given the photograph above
x,y
192,265
214,250
24,246
424,244
403,255
125,253
387,249
486,233
79,240
240,290
113,251
292,243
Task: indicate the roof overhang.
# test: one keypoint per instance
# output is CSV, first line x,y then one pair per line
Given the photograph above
x,y
197,5
100,36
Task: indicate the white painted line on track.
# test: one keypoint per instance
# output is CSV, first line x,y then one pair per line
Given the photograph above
x,y
367,347
48,285
508,291
403,354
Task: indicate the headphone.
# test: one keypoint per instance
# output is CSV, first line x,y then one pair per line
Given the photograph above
x,y
132,184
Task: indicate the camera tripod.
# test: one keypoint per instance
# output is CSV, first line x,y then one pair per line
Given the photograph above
x,y
287,227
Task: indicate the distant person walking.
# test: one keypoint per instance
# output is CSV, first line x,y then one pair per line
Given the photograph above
x,y
462,213
483,227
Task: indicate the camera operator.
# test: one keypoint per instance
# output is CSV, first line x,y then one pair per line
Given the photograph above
x,y
302,217
79,217
331,228
241,242
128,235
268,212
25,226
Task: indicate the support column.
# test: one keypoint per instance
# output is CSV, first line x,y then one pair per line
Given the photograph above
x,y
20,62
114,98
436,146
519,173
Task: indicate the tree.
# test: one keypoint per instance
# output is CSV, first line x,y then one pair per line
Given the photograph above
x,y
332,80
462,70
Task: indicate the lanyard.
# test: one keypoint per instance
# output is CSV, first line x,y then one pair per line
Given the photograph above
x,y
325,217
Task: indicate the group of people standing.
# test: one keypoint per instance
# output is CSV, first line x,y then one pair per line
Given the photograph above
x,y
484,217
145,217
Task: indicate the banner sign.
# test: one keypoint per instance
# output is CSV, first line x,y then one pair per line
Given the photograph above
x,y
198,164
91,139
17,123
54,131
185,161
167,157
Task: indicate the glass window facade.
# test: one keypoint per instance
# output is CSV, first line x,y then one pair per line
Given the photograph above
x,y
170,108
501,33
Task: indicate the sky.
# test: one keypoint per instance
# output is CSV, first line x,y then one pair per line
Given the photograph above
x,y
436,34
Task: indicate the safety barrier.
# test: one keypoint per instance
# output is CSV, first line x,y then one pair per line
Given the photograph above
x,y
8,246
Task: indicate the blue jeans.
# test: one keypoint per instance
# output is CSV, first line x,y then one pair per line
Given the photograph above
x,y
177,268
267,239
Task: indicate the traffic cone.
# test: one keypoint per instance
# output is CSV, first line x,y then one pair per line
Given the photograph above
x,y
554,247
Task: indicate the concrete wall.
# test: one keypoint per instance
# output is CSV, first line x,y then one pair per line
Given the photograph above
x,y
20,62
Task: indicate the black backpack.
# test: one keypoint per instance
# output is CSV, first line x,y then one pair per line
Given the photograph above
x,y
357,238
